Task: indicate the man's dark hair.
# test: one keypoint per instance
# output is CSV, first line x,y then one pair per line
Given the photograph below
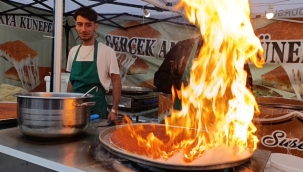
x,y
87,13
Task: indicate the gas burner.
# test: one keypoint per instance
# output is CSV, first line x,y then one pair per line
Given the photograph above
x,y
134,103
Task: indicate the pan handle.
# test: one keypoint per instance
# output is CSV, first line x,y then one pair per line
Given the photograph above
x,y
84,104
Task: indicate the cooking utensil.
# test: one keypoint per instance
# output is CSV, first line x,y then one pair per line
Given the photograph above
x,y
105,124
90,91
118,121
105,136
133,90
53,115
275,111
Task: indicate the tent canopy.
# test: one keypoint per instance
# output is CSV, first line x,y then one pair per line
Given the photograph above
x,y
111,10
125,10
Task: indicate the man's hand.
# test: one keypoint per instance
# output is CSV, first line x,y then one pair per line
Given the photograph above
x,y
112,116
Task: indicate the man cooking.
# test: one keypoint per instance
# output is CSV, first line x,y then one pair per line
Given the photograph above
x,y
175,69
93,64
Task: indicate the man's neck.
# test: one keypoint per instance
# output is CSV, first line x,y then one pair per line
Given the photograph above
x,y
88,43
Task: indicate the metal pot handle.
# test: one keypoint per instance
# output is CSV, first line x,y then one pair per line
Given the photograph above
x,y
85,104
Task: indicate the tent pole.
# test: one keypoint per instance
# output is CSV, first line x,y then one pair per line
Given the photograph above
x,y
58,45
51,89
67,30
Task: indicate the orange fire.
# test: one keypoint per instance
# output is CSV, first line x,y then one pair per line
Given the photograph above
x,y
217,108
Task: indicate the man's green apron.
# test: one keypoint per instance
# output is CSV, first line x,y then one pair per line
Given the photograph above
x,y
186,73
84,76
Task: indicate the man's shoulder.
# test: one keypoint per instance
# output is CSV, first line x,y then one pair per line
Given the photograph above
x,y
74,48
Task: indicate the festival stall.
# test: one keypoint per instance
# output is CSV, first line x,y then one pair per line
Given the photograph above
x,y
28,64
140,43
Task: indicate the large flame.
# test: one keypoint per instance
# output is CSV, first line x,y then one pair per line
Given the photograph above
x,y
217,108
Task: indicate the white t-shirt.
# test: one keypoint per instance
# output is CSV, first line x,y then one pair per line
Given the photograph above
x,y
106,61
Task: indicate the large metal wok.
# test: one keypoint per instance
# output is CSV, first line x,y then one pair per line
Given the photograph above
x,y
111,147
53,115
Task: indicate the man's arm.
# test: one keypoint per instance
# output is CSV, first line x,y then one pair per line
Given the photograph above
x,y
69,87
117,87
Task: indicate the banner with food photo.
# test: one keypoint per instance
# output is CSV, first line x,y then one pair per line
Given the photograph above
x,y
278,86
25,54
281,41
25,58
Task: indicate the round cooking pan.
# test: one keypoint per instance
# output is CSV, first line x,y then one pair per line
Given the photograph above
x,y
105,138
133,90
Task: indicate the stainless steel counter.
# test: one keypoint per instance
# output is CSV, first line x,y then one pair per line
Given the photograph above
x,y
17,153
66,156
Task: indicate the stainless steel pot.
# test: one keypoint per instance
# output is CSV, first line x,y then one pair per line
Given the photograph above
x,y
53,115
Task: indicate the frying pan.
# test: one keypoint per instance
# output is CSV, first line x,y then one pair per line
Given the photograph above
x,y
280,102
105,136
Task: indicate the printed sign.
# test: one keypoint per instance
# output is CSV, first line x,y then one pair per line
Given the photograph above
x,y
279,130
26,22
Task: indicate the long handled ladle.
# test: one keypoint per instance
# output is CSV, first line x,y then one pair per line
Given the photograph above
x,y
90,91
